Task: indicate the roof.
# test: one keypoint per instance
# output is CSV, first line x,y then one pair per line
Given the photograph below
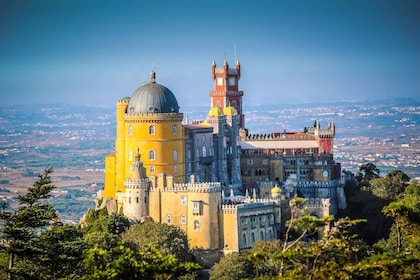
x,y
152,97
279,144
230,111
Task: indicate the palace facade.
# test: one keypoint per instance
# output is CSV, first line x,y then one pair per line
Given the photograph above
x,y
224,187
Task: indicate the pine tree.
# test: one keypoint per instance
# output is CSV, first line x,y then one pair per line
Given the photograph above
x,y
21,227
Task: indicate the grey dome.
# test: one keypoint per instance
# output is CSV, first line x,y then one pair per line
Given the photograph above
x,y
152,97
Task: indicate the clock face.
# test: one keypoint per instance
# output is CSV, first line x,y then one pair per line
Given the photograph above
x,y
219,81
325,173
232,81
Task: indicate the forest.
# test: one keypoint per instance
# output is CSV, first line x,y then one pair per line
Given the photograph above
x,y
376,237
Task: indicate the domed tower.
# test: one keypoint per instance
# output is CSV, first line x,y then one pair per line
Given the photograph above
x,y
149,120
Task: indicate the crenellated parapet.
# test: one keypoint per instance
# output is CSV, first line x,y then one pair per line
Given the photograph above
x,y
316,130
319,184
231,93
202,187
142,183
153,117
317,202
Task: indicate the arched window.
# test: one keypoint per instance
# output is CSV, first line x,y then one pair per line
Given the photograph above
x,y
234,103
130,155
130,130
168,219
261,235
174,129
244,239
183,219
175,168
184,200
270,235
175,154
152,155
189,153
196,225
204,151
152,169
252,238
152,130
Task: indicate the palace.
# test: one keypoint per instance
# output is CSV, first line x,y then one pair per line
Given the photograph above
x,y
224,187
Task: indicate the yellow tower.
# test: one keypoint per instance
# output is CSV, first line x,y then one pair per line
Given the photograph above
x,y
150,122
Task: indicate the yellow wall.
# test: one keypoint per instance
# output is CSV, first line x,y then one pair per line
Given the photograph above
x,y
109,188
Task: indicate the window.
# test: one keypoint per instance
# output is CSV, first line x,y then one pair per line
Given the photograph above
x,y
175,154
196,225
184,200
130,155
175,168
152,155
189,153
130,169
152,169
261,235
234,103
183,219
244,239
204,151
130,130
152,130
262,219
245,223
196,209
252,238
168,219
271,219
270,235
254,222
174,129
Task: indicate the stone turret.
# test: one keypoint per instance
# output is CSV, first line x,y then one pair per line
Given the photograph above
x,y
136,204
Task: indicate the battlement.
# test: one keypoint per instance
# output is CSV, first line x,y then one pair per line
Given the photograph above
x,y
318,184
123,101
248,204
202,187
149,117
221,70
317,202
279,136
223,93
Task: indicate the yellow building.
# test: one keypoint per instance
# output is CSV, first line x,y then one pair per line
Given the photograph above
x,y
165,171
151,122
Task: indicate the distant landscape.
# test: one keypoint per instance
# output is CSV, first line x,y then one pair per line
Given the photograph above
x,y
74,140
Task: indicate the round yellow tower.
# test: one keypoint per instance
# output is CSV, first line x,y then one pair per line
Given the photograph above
x,y
148,121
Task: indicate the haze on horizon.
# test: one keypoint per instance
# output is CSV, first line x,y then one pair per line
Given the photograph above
x,y
96,52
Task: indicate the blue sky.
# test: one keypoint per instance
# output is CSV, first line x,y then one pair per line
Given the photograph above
x,y
96,52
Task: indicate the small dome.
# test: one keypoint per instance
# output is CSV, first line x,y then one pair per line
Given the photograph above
x,y
215,112
152,97
275,190
230,111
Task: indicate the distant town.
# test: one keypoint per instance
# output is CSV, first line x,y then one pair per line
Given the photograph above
x,y
74,140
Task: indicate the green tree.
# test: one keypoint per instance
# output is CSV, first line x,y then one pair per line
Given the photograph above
x,y
405,234
122,262
168,239
61,253
22,227
367,172
101,221
232,267
390,187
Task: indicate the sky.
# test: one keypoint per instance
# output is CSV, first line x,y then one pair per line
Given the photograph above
x,y
96,52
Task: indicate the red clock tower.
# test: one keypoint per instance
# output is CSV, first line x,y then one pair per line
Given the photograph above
x,y
226,91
